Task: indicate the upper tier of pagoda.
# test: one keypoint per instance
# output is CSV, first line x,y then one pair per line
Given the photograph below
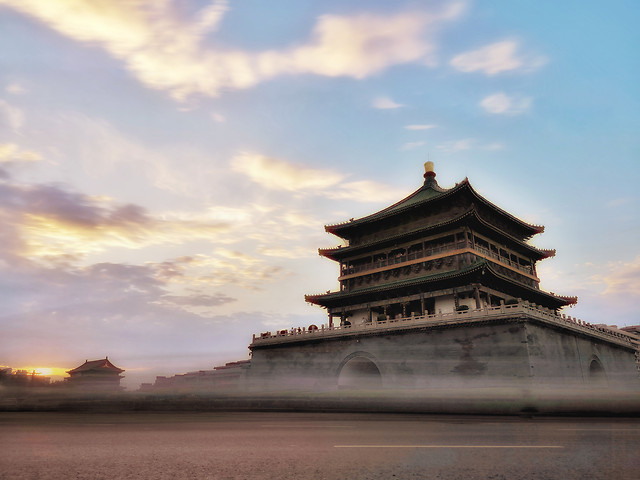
x,y
430,198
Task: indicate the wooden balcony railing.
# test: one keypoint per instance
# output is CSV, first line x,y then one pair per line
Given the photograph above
x,y
430,252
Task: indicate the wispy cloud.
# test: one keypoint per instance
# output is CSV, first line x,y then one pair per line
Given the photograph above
x,y
385,103
199,300
47,222
411,145
503,104
496,58
457,145
10,116
454,146
166,52
622,279
218,117
15,89
278,174
420,127
12,153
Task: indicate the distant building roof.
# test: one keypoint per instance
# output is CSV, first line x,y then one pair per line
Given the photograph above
x,y
102,365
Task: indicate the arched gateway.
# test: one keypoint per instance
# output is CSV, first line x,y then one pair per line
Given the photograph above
x,y
359,371
596,371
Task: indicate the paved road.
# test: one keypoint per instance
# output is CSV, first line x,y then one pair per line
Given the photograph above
x,y
314,446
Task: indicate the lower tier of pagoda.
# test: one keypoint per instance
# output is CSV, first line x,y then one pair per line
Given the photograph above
x,y
480,283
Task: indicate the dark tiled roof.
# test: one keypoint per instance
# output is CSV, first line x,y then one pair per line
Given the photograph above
x,y
337,253
429,192
483,266
96,365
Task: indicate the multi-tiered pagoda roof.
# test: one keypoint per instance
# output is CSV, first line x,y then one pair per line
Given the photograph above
x,y
436,244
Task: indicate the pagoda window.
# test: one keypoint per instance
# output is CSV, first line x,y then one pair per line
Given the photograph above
x,y
481,245
415,251
397,256
343,268
380,260
360,265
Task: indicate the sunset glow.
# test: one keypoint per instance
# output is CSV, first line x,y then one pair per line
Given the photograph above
x,y
46,371
167,168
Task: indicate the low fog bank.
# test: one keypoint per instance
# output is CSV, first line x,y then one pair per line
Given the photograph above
x,y
531,400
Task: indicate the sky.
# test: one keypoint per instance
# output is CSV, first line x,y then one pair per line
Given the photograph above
x,y
167,166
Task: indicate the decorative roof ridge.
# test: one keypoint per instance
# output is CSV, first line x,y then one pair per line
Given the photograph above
x,y
433,276
472,210
546,252
570,300
452,220
92,364
427,186
537,228
482,264
441,193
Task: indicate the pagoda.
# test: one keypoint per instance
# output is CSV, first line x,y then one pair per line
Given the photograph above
x,y
96,375
440,289
438,250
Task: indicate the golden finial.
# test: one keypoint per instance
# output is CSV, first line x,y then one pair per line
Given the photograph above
x,y
428,167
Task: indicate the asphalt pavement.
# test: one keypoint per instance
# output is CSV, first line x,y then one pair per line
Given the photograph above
x,y
279,445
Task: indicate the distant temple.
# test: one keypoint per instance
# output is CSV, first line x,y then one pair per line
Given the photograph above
x,y
98,375
440,288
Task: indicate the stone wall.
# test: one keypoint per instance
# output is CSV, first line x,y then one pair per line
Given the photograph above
x,y
561,358
496,353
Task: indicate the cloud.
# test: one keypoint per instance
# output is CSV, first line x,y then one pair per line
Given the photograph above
x,y
10,116
365,191
200,300
278,174
411,145
420,127
493,146
457,145
496,58
385,103
360,45
454,146
48,222
502,104
15,89
618,202
167,52
218,117
101,152
12,153
623,279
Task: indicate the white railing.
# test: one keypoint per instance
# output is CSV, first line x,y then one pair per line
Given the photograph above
x,y
523,308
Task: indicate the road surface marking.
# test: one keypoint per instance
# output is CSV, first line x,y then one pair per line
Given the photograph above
x,y
277,425
599,430
448,446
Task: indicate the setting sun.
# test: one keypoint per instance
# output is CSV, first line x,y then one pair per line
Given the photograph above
x,y
46,371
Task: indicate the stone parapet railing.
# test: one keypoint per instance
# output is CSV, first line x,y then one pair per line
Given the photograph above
x,y
522,309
